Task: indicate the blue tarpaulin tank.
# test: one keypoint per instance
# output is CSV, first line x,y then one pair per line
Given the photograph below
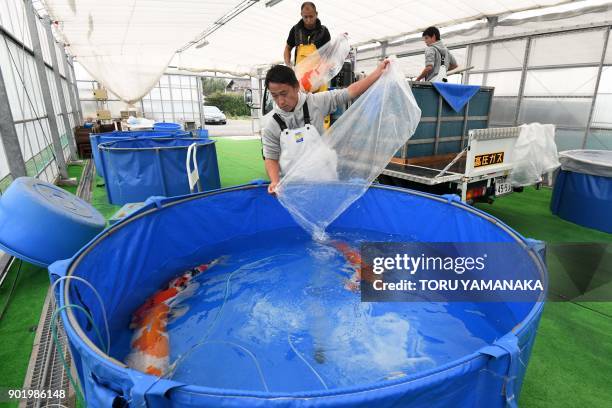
x,y
127,261
136,169
99,138
583,189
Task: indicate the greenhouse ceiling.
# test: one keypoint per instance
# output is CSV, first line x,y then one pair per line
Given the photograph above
x,y
127,44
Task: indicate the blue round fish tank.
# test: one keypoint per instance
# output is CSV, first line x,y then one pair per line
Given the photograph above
x,y
97,138
582,192
166,126
252,352
136,169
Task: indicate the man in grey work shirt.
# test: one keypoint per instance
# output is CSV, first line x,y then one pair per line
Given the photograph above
x,y
438,59
289,110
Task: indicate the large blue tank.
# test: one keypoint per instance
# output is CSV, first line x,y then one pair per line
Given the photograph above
x,y
97,138
143,252
582,191
136,169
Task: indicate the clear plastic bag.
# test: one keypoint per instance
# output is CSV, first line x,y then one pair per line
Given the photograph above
x,y
337,171
322,65
535,153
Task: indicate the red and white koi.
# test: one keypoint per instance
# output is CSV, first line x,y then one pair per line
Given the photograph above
x,y
312,79
353,258
150,346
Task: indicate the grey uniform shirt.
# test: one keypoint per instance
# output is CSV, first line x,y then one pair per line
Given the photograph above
x,y
319,105
433,57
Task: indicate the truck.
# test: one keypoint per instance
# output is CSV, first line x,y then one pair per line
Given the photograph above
x,y
449,153
455,152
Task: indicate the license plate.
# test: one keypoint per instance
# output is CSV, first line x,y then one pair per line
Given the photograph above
x,y
502,187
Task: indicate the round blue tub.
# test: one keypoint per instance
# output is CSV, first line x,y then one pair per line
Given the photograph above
x,y
165,126
41,223
98,138
137,253
136,169
582,191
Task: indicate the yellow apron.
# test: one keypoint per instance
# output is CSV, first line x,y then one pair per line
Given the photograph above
x,y
303,51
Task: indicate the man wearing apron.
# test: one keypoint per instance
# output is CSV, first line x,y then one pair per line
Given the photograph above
x,y
438,59
297,120
306,36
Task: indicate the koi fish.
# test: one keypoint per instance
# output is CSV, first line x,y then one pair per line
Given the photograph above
x,y
308,78
353,257
150,345
312,79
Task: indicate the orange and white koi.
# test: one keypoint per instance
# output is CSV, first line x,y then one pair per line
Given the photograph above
x,y
312,79
308,78
150,345
353,258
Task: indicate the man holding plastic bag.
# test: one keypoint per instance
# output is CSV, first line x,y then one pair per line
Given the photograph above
x,y
298,119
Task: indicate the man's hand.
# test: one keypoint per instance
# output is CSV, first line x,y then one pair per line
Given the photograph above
x,y
273,170
382,67
424,73
287,55
359,87
272,188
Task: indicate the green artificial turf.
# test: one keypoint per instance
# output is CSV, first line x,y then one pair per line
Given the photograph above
x,y
570,364
240,161
18,326
99,199
529,213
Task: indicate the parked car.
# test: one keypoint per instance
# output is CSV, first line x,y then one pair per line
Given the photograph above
x,y
213,115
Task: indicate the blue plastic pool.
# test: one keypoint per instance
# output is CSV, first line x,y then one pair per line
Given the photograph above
x,y
273,325
97,138
582,191
167,126
136,169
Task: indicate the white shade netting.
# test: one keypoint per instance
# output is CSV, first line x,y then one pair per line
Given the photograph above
x,y
126,44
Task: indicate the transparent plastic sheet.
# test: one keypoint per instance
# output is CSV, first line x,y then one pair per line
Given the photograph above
x,y
535,153
322,65
352,153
